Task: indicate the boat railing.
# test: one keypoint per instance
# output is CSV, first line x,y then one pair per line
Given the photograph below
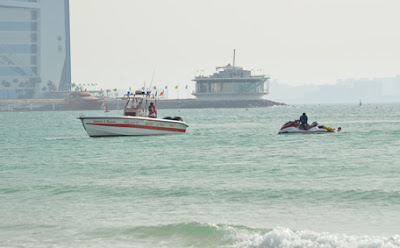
x,y
138,96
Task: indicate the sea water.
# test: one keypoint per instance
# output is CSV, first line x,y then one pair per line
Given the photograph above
x,y
230,181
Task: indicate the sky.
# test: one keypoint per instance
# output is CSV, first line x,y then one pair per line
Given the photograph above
x,y
129,43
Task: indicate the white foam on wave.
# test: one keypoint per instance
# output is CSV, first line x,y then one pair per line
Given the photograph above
x,y
281,237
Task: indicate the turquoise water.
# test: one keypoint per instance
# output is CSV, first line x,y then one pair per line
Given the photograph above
x,y
230,181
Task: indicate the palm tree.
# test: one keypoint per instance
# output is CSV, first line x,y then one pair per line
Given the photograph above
x,y
15,81
7,85
51,85
35,82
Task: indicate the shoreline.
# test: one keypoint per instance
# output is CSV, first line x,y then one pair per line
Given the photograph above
x,y
23,105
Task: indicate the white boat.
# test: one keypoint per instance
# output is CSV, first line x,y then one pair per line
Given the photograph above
x,y
135,120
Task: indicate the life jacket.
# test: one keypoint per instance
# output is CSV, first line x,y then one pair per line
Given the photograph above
x,y
152,112
303,119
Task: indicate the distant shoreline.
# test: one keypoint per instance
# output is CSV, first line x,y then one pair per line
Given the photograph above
x,y
20,105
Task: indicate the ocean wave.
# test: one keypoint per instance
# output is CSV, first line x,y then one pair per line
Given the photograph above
x,y
284,237
194,234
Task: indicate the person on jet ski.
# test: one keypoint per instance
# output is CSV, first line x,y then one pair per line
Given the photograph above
x,y
303,122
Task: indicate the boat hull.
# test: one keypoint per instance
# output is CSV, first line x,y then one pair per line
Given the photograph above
x,y
295,128
314,130
298,131
131,126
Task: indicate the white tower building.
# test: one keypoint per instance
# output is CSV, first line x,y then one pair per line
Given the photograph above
x,y
34,48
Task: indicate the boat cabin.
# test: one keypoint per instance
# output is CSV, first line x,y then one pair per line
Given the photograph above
x,y
138,103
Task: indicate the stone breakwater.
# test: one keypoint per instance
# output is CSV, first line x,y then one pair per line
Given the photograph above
x,y
193,103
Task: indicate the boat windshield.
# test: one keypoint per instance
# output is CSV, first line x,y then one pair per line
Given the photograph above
x,y
135,107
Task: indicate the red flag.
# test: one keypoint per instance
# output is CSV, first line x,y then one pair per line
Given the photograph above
x,y
162,92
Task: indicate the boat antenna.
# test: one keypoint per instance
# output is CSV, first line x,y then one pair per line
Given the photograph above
x,y
234,52
152,77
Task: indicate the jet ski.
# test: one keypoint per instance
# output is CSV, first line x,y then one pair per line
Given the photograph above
x,y
296,127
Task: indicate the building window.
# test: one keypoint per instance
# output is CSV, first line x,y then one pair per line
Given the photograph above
x,y
227,88
33,37
34,15
202,87
33,26
33,60
20,48
15,26
33,48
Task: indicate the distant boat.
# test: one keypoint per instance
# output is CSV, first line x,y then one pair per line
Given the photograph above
x,y
81,100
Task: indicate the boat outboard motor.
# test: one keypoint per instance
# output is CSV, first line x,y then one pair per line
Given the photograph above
x,y
177,118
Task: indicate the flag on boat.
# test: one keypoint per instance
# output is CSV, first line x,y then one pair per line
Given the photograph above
x,y
162,92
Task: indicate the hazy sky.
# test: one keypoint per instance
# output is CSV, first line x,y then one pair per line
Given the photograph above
x,y
122,43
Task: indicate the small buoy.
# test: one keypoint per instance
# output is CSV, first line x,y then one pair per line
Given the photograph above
x,y
107,110
247,109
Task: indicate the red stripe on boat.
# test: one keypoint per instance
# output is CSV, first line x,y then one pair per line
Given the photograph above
x,y
140,126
